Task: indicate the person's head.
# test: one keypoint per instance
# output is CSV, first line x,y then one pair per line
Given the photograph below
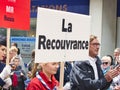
x,y
14,44
93,46
12,52
112,61
2,47
116,52
106,61
49,68
16,61
116,55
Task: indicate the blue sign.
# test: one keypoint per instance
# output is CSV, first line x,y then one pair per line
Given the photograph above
x,y
26,45
76,6
22,39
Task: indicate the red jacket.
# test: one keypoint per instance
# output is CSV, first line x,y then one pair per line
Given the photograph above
x,y
36,84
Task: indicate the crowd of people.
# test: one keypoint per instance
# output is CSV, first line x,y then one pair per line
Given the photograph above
x,y
95,73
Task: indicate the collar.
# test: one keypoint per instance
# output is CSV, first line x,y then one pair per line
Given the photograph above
x,y
51,83
45,78
47,85
92,59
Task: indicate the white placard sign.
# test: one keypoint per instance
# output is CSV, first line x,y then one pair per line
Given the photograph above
x,y
61,36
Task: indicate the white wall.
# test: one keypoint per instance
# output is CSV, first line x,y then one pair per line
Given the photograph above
x,y
118,32
96,18
103,24
108,39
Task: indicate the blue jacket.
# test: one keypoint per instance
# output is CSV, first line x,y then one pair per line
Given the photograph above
x,y
82,77
2,65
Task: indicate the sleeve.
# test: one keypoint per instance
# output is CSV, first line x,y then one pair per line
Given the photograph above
x,y
81,78
5,73
8,83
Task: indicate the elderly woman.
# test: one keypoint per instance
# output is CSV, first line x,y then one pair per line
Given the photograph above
x,y
106,63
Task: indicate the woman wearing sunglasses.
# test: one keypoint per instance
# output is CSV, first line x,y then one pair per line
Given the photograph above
x,y
106,63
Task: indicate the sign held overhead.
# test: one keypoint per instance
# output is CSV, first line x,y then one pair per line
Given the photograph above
x,y
61,36
15,14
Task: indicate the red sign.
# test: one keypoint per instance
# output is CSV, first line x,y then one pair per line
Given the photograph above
x,y
15,14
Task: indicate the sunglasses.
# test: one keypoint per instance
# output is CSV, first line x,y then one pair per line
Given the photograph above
x,y
105,63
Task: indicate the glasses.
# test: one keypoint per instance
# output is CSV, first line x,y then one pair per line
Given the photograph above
x,y
105,63
95,44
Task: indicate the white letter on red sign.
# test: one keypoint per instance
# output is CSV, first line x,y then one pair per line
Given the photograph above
x,y
9,9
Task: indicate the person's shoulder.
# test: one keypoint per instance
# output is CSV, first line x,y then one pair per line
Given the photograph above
x,y
81,65
34,81
34,84
78,63
2,65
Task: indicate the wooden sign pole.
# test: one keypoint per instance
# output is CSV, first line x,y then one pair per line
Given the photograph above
x,y
8,45
61,74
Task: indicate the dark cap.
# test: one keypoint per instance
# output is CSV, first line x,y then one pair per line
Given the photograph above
x,y
2,40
